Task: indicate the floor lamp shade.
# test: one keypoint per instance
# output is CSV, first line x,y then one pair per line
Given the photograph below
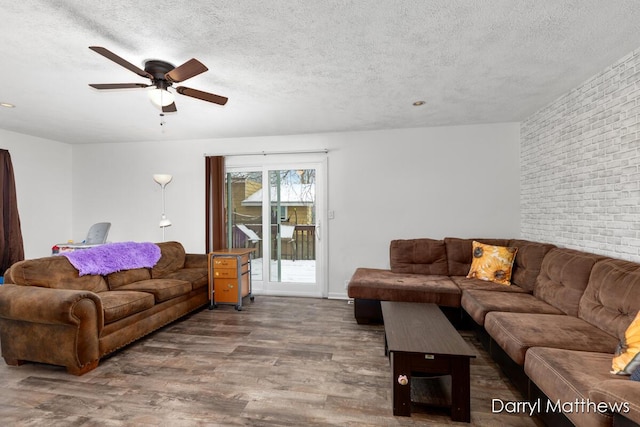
x,y
162,179
164,221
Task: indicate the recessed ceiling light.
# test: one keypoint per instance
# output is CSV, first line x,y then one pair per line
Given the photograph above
x,y
7,105
418,103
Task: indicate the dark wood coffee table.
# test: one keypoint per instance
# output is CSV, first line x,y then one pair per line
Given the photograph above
x,y
420,340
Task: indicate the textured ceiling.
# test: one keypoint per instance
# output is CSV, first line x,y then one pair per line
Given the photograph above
x,y
307,66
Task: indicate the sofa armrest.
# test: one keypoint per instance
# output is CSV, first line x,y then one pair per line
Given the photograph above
x,y
623,392
49,306
195,261
54,326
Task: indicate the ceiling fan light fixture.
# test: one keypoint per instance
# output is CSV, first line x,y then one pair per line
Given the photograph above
x,y
161,97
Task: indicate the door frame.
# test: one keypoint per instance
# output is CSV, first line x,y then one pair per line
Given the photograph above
x,y
266,163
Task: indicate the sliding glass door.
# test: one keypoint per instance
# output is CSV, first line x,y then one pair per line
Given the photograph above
x,y
278,209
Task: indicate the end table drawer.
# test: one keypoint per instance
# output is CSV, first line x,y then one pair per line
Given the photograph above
x,y
226,273
226,290
223,262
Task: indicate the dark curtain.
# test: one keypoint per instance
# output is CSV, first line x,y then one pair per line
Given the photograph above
x,y
215,234
11,241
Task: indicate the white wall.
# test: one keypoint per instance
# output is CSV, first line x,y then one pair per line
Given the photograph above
x,y
42,170
581,166
383,185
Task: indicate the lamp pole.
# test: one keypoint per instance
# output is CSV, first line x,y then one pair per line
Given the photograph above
x,y
163,180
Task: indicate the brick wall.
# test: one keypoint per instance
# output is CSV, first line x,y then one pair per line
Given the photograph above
x,y
580,166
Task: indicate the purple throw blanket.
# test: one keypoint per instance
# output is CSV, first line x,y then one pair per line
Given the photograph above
x,y
112,257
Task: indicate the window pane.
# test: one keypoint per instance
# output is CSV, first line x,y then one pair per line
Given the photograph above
x,y
244,207
292,198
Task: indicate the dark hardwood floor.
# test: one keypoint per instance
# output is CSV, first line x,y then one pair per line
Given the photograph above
x,y
279,362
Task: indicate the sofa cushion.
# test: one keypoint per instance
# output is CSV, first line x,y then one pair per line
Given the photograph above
x,y
563,278
465,283
172,259
162,289
418,256
198,277
384,285
567,376
120,278
628,352
619,390
120,304
492,263
612,298
528,263
55,272
477,303
459,253
517,332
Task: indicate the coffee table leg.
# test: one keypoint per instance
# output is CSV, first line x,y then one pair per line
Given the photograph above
x,y
400,365
460,390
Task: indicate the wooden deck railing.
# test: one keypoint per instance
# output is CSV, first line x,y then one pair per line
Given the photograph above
x,y
301,247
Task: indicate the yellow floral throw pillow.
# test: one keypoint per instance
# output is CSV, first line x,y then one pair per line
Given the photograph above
x,y
627,357
492,263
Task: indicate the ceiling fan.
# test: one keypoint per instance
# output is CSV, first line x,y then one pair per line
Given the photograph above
x,y
162,75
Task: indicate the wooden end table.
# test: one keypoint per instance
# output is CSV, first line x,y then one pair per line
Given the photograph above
x,y
419,339
230,277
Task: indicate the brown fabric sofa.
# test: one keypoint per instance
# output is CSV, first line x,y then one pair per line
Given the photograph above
x,y
429,270
50,314
554,330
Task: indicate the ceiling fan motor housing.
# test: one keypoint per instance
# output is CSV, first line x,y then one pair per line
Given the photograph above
x,y
158,69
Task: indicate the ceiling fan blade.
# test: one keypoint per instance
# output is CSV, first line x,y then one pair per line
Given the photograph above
x,y
171,108
122,62
118,85
210,97
189,69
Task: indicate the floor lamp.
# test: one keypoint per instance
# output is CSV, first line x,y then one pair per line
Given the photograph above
x,y
163,179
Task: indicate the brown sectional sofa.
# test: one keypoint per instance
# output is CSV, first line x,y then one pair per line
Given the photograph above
x,y
428,270
554,330
50,314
